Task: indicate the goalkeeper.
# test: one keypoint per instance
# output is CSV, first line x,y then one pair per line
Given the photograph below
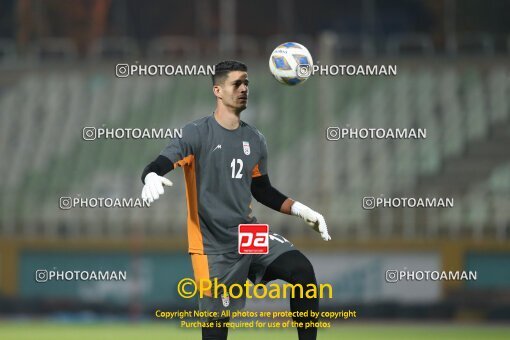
x,y
225,164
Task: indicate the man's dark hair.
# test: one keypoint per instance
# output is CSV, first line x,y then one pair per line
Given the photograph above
x,y
223,68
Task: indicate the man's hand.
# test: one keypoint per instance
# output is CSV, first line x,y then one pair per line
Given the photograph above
x,y
154,187
313,218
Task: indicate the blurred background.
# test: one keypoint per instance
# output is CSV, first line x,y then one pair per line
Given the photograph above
x,y
57,76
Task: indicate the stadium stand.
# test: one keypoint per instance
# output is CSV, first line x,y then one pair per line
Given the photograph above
x,y
465,110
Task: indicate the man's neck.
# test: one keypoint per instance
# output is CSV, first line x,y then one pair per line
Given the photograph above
x,y
228,119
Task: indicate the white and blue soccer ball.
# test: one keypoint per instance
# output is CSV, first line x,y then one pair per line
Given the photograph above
x,y
291,63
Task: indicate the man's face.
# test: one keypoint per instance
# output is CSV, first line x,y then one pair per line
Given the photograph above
x,y
234,90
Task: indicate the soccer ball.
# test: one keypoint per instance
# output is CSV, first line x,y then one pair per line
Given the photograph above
x,y
291,63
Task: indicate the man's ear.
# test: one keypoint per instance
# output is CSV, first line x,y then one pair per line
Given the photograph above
x,y
217,91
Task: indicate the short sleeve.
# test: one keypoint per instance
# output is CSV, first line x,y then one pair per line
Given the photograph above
x,y
260,168
182,150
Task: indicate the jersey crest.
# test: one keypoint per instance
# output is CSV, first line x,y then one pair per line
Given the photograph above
x,y
246,148
225,299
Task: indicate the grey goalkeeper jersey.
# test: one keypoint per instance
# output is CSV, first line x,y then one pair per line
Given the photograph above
x,y
218,165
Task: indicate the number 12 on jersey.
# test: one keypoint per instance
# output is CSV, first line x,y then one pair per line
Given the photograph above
x,y
237,174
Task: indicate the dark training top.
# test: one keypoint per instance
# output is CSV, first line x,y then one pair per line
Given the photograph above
x,y
219,165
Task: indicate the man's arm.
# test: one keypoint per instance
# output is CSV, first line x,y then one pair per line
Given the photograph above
x,y
153,180
176,153
161,166
265,193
